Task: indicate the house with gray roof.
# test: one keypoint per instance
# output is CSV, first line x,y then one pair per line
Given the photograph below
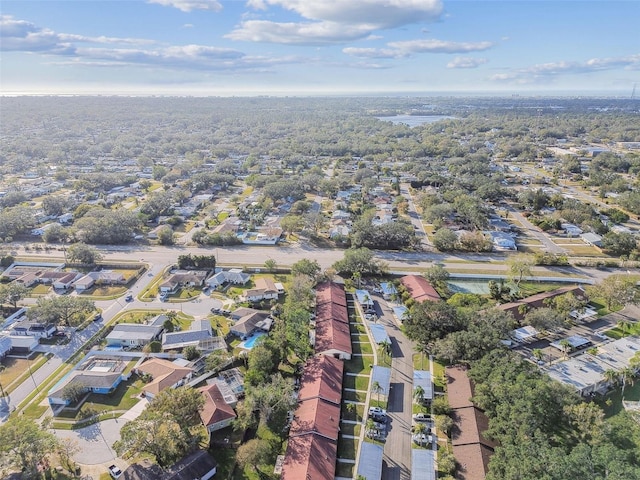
x,y
234,276
133,335
5,345
199,332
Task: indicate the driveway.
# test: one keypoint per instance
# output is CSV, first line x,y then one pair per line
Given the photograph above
x,y
96,441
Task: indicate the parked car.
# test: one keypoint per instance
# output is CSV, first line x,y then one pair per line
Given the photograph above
x,y
421,417
422,439
378,413
114,471
97,317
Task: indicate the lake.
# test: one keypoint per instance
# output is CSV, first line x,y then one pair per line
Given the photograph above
x,y
414,120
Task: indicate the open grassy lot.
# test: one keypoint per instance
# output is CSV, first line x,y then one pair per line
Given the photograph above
x,y
18,367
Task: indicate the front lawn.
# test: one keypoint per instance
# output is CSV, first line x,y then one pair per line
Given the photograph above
x,y
362,348
354,396
360,382
347,448
359,364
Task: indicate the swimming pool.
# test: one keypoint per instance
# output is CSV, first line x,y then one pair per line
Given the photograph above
x,y
250,342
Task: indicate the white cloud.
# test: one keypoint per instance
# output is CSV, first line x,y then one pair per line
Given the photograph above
x,y
410,47
318,33
546,72
190,5
439,46
466,62
334,21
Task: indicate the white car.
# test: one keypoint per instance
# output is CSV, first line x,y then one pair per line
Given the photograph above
x,y
114,471
377,412
421,417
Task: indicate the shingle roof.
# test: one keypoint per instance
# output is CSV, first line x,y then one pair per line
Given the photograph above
x,y
215,409
331,292
333,335
310,457
322,377
419,288
165,374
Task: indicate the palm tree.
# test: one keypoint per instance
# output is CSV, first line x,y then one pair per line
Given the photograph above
x,y
624,325
626,375
422,350
419,430
566,346
611,376
385,348
377,388
418,394
370,425
537,353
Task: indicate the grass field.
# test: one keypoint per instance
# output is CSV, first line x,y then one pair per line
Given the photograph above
x,y
361,382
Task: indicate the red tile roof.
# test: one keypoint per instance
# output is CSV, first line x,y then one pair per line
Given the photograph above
x,y
215,409
316,416
322,378
419,288
331,293
310,457
332,335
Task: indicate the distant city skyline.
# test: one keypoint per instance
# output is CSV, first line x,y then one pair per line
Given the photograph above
x,y
320,47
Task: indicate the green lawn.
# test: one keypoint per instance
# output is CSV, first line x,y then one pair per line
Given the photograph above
x,y
353,412
611,403
362,348
360,382
354,396
357,328
420,361
359,364
344,470
347,448
350,429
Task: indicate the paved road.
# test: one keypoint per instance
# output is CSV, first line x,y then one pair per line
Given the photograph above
x,y
549,245
397,449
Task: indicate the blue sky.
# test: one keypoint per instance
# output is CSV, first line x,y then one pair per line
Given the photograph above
x,y
301,47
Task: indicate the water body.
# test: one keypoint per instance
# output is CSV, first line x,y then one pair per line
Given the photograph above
x,y
414,120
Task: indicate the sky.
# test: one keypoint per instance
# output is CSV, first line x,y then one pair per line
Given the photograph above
x,y
319,47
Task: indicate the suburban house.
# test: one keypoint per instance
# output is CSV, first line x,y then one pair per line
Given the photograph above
x,y
419,288
199,331
250,322
59,280
331,335
103,277
23,345
96,373
470,448
34,328
312,449
592,239
234,276
520,307
164,374
183,278
216,413
198,465
133,335
5,345
585,372
265,289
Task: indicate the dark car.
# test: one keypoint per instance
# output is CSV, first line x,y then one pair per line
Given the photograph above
x,y
129,298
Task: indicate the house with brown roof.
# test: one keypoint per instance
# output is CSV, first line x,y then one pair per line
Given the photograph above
x,y
471,448
164,374
333,338
519,308
312,448
419,288
216,413
265,289
330,292
184,278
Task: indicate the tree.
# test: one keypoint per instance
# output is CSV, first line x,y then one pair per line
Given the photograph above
x,y
361,260
565,345
73,391
253,453
165,235
191,352
54,205
618,244
377,389
430,321
24,444
544,319
63,310
2,369
83,253
271,265
418,394
13,292
216,359
166,429
310,268
444,423
385,348
437,276
538,354
292,223
616,290
445,240
520,267
153,347
626,375
272,398
611,376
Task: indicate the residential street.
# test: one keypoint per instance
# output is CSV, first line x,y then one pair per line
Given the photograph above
x,y
397,449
